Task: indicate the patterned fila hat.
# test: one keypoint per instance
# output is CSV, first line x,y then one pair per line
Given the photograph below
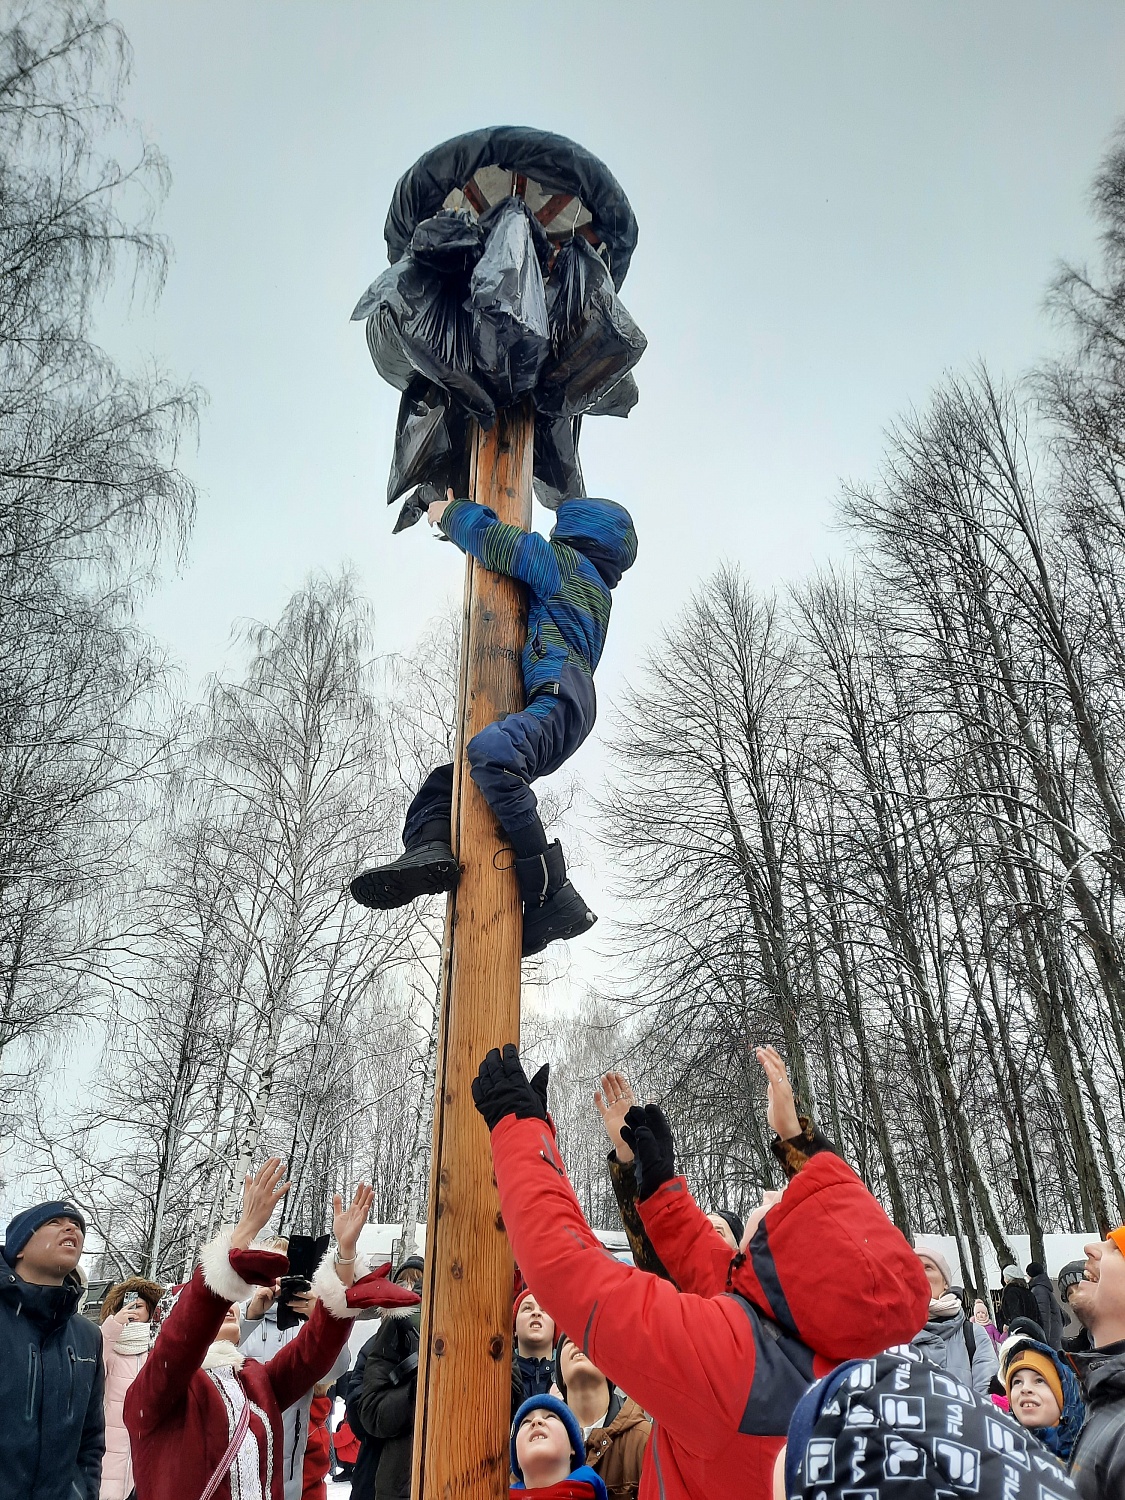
x,y
897,1428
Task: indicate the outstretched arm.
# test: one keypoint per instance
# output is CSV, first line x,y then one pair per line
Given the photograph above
x,y
228,1272
501,548
613,1101
674,1371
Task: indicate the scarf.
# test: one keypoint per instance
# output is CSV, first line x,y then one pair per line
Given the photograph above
x,y
945,1306
133,1339
223,1355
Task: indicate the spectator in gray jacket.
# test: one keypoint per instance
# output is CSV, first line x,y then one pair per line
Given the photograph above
x,y
949,1339
261,1339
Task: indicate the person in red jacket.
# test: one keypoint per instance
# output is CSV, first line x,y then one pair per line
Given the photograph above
x,y
720,1359
205,1421
318,1449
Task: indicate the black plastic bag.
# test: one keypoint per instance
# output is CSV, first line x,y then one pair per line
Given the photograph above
x,y
418,324
415,506
594,340
449,243
619,400
509,306
430,441
557,164
557,471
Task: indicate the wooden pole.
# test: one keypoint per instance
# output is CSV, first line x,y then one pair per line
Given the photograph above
x,y
464,1372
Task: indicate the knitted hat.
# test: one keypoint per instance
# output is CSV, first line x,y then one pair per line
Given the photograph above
x,y
733,1223
1011,1273
411,1263
1071,1274
939,1260
565,1416
1116,1235
1028,1358
24,1225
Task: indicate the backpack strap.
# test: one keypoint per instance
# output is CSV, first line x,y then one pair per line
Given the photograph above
x,y
970,1341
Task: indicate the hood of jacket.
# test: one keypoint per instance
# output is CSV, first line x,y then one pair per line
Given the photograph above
x,y
602,531
829,1231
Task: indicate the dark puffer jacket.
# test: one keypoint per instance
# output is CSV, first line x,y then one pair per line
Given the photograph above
x,y
1050,1317
52,1434
386,1402
1097,1462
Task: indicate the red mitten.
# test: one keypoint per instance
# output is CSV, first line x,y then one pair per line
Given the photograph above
x,y
258,1267
377,1290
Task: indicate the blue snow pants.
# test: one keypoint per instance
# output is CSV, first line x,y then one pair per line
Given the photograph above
x,y
507,756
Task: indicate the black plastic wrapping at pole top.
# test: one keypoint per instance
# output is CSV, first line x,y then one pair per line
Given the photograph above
x,y
510,291
551,160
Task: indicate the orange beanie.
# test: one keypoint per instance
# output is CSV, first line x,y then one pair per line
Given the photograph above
x,y
1031,1359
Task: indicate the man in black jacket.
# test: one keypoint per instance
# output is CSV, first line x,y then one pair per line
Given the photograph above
x,y
1097,1463
52,1436
385,1404
1050,1317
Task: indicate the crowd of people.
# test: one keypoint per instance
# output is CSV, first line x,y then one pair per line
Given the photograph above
x,y
806,1350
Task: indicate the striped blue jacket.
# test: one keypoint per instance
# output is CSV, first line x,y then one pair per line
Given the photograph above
x,y
568,576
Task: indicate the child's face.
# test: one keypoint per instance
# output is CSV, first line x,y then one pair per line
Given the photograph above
x,y
1033,1401
543,1449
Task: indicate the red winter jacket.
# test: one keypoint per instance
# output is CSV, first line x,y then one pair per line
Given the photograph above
x,y
828,1278
181,1417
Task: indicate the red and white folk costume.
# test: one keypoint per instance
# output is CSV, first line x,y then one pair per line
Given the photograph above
x,y
184,1407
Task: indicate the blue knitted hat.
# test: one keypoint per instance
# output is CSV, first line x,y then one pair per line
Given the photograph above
x,y
565,1416
23,1226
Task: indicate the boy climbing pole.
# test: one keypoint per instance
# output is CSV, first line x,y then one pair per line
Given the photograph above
x,y
569,577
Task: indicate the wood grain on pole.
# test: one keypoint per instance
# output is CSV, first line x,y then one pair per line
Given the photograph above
x,y
464,1373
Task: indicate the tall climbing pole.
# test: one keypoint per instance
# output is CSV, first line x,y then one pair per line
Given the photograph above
x,y
504,311
464,1371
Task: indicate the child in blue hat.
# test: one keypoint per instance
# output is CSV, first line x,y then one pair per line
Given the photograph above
x,y
548,1455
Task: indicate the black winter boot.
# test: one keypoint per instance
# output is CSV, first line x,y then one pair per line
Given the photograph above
x,y
552,908
427,867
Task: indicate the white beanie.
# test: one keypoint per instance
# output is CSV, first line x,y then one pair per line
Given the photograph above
x,y
938,1259
1011,1273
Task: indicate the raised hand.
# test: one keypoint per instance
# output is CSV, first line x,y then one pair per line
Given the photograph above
x,y
501,1088
781,1109
539,1083
347,1222
647,1131
262,1192
613,1101
346,1225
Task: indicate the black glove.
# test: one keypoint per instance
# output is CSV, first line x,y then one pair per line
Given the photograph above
x,y
539,1084
501,1088
649,1136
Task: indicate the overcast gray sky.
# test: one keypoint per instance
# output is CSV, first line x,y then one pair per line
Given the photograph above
x,y
838,203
